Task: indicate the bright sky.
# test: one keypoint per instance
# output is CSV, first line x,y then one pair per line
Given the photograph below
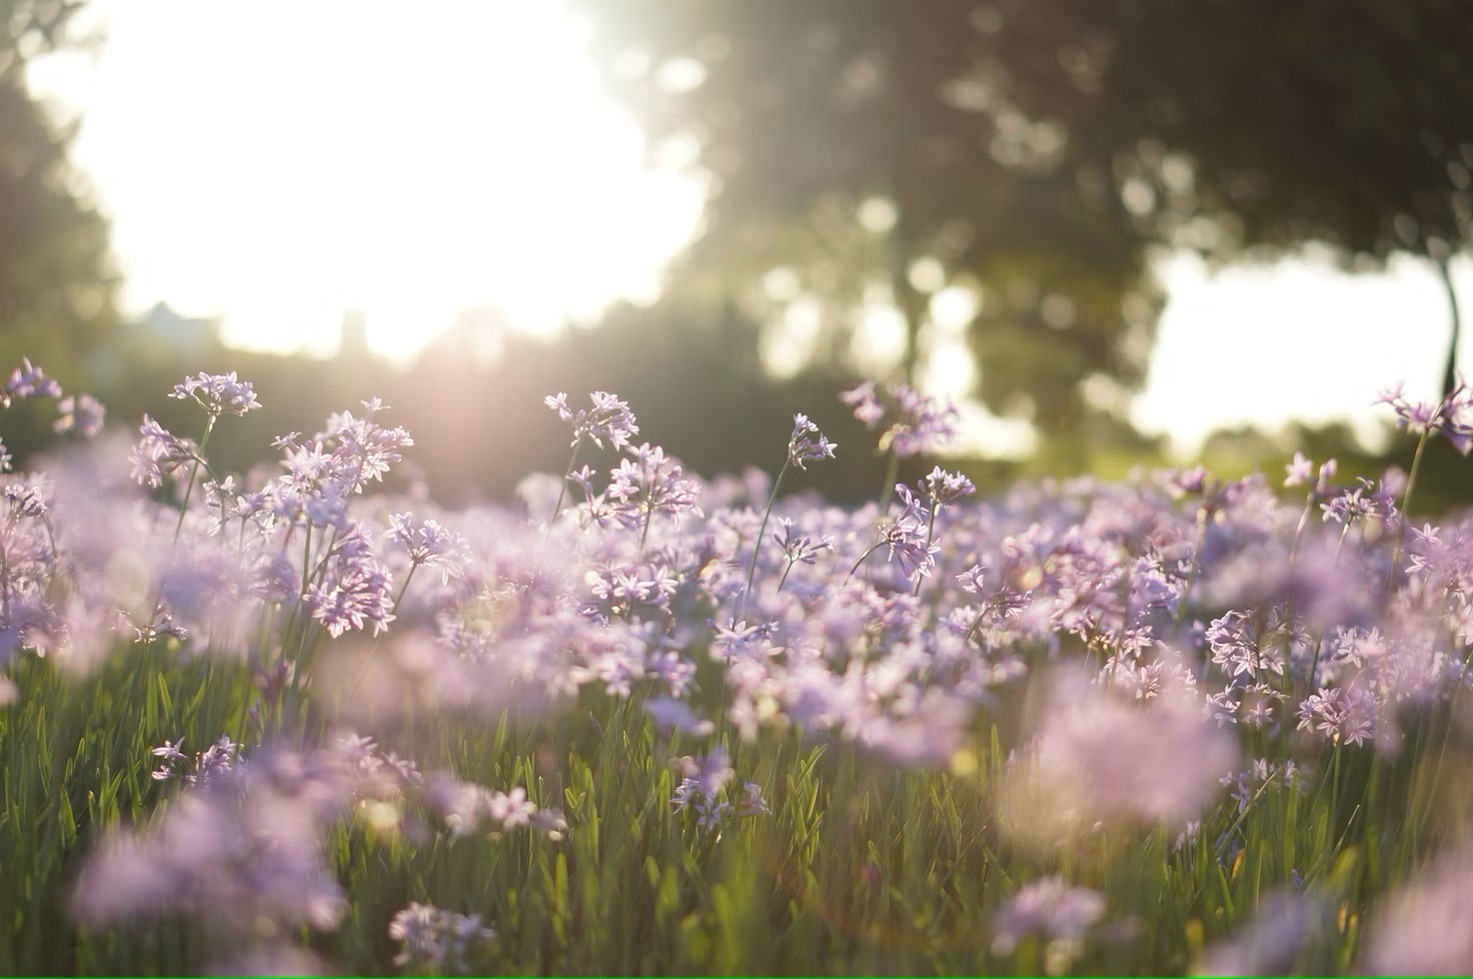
x,y
1299,339
279,162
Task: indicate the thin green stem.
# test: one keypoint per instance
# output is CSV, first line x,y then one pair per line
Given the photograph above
x,y
5,583
199,457
1406,499
408,577
1203,517
784,578
1452,712
762,530
873,547
306,558
1319,639
368,660
977,623
291,619
887,491
563,490
1299,531
930,529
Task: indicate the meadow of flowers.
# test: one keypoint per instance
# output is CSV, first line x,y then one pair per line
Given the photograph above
x,y
287,721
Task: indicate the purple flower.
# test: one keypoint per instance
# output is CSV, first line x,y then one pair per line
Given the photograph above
x,y
610,418
710,774
510,810
28,381
800,547
1366,501
363,450
1190,481
703,786
1239,648
742,641
922,423
1423,929
429,544
1343,715
866,405
159,453
752,802
1450,416
81,413
651,484
919,423
1244,787
217,393
356,589
908,539
1048,907
436,938
668,714
243,850
200,770
1299,471
943,488
801,446
468,808
325,472
621,588
171,755
971,580
1100,757
1327,474
1271,943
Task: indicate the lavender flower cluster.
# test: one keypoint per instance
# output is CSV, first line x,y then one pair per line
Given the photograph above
x,y
1199,639
437,938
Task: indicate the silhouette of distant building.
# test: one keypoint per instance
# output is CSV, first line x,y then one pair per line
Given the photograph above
x,y
164,326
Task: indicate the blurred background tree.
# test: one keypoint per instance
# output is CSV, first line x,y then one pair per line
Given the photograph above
x,y
57,279
862,156
971,195
859,163
1236,127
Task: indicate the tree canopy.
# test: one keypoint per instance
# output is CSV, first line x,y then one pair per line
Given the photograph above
x,y
56,274
1037,154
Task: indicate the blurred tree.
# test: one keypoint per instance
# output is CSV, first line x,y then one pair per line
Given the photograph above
x,y
854,176
863,155
688,389
56,274
1233,126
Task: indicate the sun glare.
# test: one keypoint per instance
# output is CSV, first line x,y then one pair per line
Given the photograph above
x,y
276,164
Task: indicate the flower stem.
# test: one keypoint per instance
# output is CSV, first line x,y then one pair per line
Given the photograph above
x,y
1303,523
368,659
887,491
784,578
930,529
649,508
762,530
873,547
194,473
1406,499
563,490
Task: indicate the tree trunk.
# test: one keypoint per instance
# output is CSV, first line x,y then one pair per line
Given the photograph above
x,y
908,300
1450,374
